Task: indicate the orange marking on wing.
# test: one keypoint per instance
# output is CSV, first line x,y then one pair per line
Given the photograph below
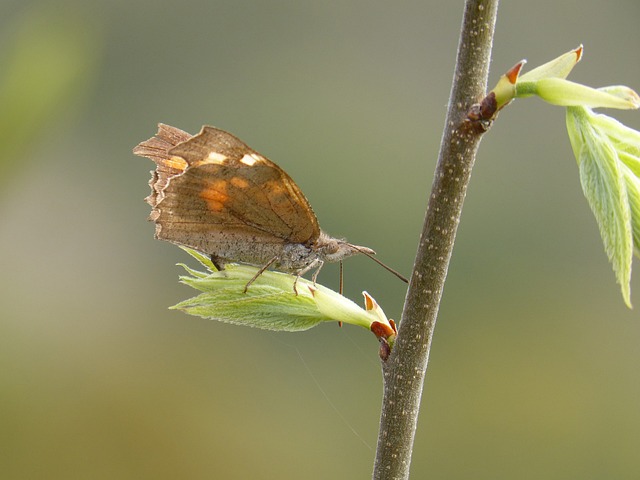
x,y
239,182
215,195
178,163
275,187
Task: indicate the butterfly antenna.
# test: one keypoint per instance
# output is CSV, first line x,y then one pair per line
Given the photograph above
x,y
386,267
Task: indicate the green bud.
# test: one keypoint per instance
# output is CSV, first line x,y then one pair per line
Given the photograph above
x,y
558,91
505,89
508,87
559,67
274,300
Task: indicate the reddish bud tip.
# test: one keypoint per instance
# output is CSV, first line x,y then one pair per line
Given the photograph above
x,y
368,302
513,72
381,330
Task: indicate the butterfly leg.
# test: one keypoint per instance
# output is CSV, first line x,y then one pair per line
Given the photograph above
x,y
314,277
268,264
295,283
217,262
317,262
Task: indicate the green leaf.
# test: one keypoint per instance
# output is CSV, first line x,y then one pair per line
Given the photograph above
x,y
262,306
271,302
559,67
559,91
626,141
605,188
632,183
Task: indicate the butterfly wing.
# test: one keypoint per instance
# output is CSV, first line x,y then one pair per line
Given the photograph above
x,y
156,148
214,193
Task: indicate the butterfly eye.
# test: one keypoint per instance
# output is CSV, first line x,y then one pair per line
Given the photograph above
x,y
333,248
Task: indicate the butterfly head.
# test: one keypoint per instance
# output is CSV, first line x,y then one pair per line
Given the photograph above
x,y
331,249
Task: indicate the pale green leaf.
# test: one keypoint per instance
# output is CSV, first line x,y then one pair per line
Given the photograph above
x,y
632,182
625,139
604,187
558,91
270,302
626,142
559,67
265,307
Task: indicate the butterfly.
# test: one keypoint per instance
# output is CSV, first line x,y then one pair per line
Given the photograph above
x,y
215,194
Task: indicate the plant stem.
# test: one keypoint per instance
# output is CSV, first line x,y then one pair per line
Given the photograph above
x,y
406,367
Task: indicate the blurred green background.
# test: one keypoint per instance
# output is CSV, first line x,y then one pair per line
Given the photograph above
x,y
534,367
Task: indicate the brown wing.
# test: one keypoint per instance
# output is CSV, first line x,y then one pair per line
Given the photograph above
x,y
226,193
157,148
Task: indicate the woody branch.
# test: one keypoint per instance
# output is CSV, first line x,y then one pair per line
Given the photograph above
x,y
405,369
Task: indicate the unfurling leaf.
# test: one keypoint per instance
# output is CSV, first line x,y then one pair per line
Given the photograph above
x,y
272,303
608,164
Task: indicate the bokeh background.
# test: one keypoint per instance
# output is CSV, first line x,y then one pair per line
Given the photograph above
x,y
534,367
